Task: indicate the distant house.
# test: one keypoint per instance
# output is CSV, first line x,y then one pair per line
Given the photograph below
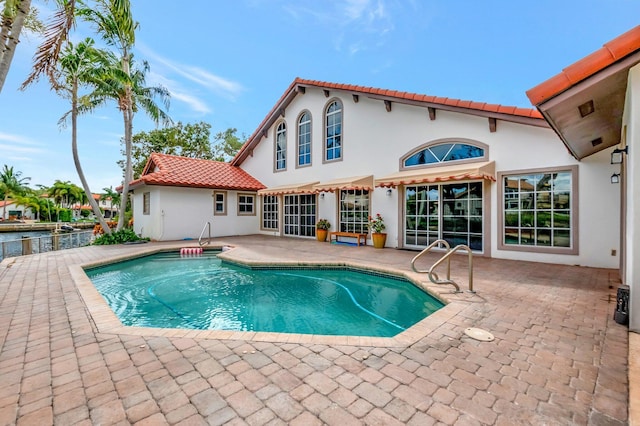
x,y
175,197
11,211
110,210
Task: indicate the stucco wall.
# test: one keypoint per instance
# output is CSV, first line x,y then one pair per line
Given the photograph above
x,y
374,140
631,121
183,213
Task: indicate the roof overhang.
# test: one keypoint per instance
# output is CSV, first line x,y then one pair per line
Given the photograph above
x,y
600,129
467,171
584,103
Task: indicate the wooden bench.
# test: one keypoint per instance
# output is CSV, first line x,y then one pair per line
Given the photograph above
x,y
355,235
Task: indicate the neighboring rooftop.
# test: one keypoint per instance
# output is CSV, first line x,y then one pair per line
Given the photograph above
x,y
172,170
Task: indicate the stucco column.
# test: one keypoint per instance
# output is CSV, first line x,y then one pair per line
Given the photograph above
x,y
632,124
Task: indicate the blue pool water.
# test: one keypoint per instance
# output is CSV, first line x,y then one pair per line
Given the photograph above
x,y
164,290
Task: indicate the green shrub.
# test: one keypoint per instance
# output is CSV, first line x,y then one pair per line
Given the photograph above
x,y
119,237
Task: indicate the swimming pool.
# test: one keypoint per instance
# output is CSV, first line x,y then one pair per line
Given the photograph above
x,y
167,291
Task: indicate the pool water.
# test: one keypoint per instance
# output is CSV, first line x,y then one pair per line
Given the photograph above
x,y
167,291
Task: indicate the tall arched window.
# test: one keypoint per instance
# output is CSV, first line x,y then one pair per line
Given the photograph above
x,y
281,146
304,139
333,131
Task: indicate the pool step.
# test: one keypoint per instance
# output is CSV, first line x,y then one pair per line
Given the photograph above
x,y
191,251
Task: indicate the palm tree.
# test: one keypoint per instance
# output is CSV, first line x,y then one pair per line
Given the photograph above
x,y
56,32
14,16
30,201
78,65
111,196
11,184
64,193
126,84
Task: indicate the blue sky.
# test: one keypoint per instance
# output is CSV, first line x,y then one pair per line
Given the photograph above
x,y
228,62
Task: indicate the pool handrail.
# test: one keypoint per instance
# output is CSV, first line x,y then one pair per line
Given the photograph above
x,y
433,277
200,242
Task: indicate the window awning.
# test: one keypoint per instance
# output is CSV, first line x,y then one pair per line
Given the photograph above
x,y
357,182
300,188
467,171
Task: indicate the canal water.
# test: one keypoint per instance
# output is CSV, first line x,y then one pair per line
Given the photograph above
x,y
30,242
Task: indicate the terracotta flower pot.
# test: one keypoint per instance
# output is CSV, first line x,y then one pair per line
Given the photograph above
x,y
321,234
379,239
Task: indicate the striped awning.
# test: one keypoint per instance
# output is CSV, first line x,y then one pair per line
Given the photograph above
x,y
300,188
357,182
467,171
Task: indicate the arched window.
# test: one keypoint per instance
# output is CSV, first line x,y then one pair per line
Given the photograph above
x,y
442,152
333,131
304,139
281,146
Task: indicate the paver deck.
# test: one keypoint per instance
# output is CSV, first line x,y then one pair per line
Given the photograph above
x,y
557,358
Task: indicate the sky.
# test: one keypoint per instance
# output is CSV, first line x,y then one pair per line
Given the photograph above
x,y
227,63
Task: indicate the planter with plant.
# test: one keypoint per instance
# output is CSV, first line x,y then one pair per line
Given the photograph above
x,y
376,226
322,229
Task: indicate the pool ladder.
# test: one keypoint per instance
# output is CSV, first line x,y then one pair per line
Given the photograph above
x,y
208,240
433,277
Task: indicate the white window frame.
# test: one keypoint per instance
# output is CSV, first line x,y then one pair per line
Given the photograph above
x,y
355,218
270,213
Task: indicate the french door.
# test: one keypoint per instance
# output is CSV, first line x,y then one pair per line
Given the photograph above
x,y
452,212
300,215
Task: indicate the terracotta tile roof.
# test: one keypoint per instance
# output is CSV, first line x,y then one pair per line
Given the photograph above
x,y
173,170
611,52
480,108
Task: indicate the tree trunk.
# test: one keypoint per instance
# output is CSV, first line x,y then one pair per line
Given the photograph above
x,y
128,130
10,35
4,210
76,160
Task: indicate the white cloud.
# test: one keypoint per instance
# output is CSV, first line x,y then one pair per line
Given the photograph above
x,y
179,93
364,23
8,137
224,87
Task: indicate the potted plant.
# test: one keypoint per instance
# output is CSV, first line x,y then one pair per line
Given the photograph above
x,y
376,226
322,229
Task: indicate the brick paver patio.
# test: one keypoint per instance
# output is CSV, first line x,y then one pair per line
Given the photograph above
x,y
558,357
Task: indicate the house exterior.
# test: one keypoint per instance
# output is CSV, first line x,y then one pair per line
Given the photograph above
x,y
492,177
176,197
512,183
594,106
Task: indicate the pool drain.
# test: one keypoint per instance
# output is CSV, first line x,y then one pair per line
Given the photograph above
x,y
479,334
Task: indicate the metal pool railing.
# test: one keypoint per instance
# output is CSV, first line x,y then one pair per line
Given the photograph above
x,y
45,243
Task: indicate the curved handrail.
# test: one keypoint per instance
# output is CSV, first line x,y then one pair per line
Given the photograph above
x,y
200,243
448,280
426,250
433,277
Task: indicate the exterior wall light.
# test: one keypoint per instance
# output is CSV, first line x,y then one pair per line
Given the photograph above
x,y
322,195
389,192
615,178
616,155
